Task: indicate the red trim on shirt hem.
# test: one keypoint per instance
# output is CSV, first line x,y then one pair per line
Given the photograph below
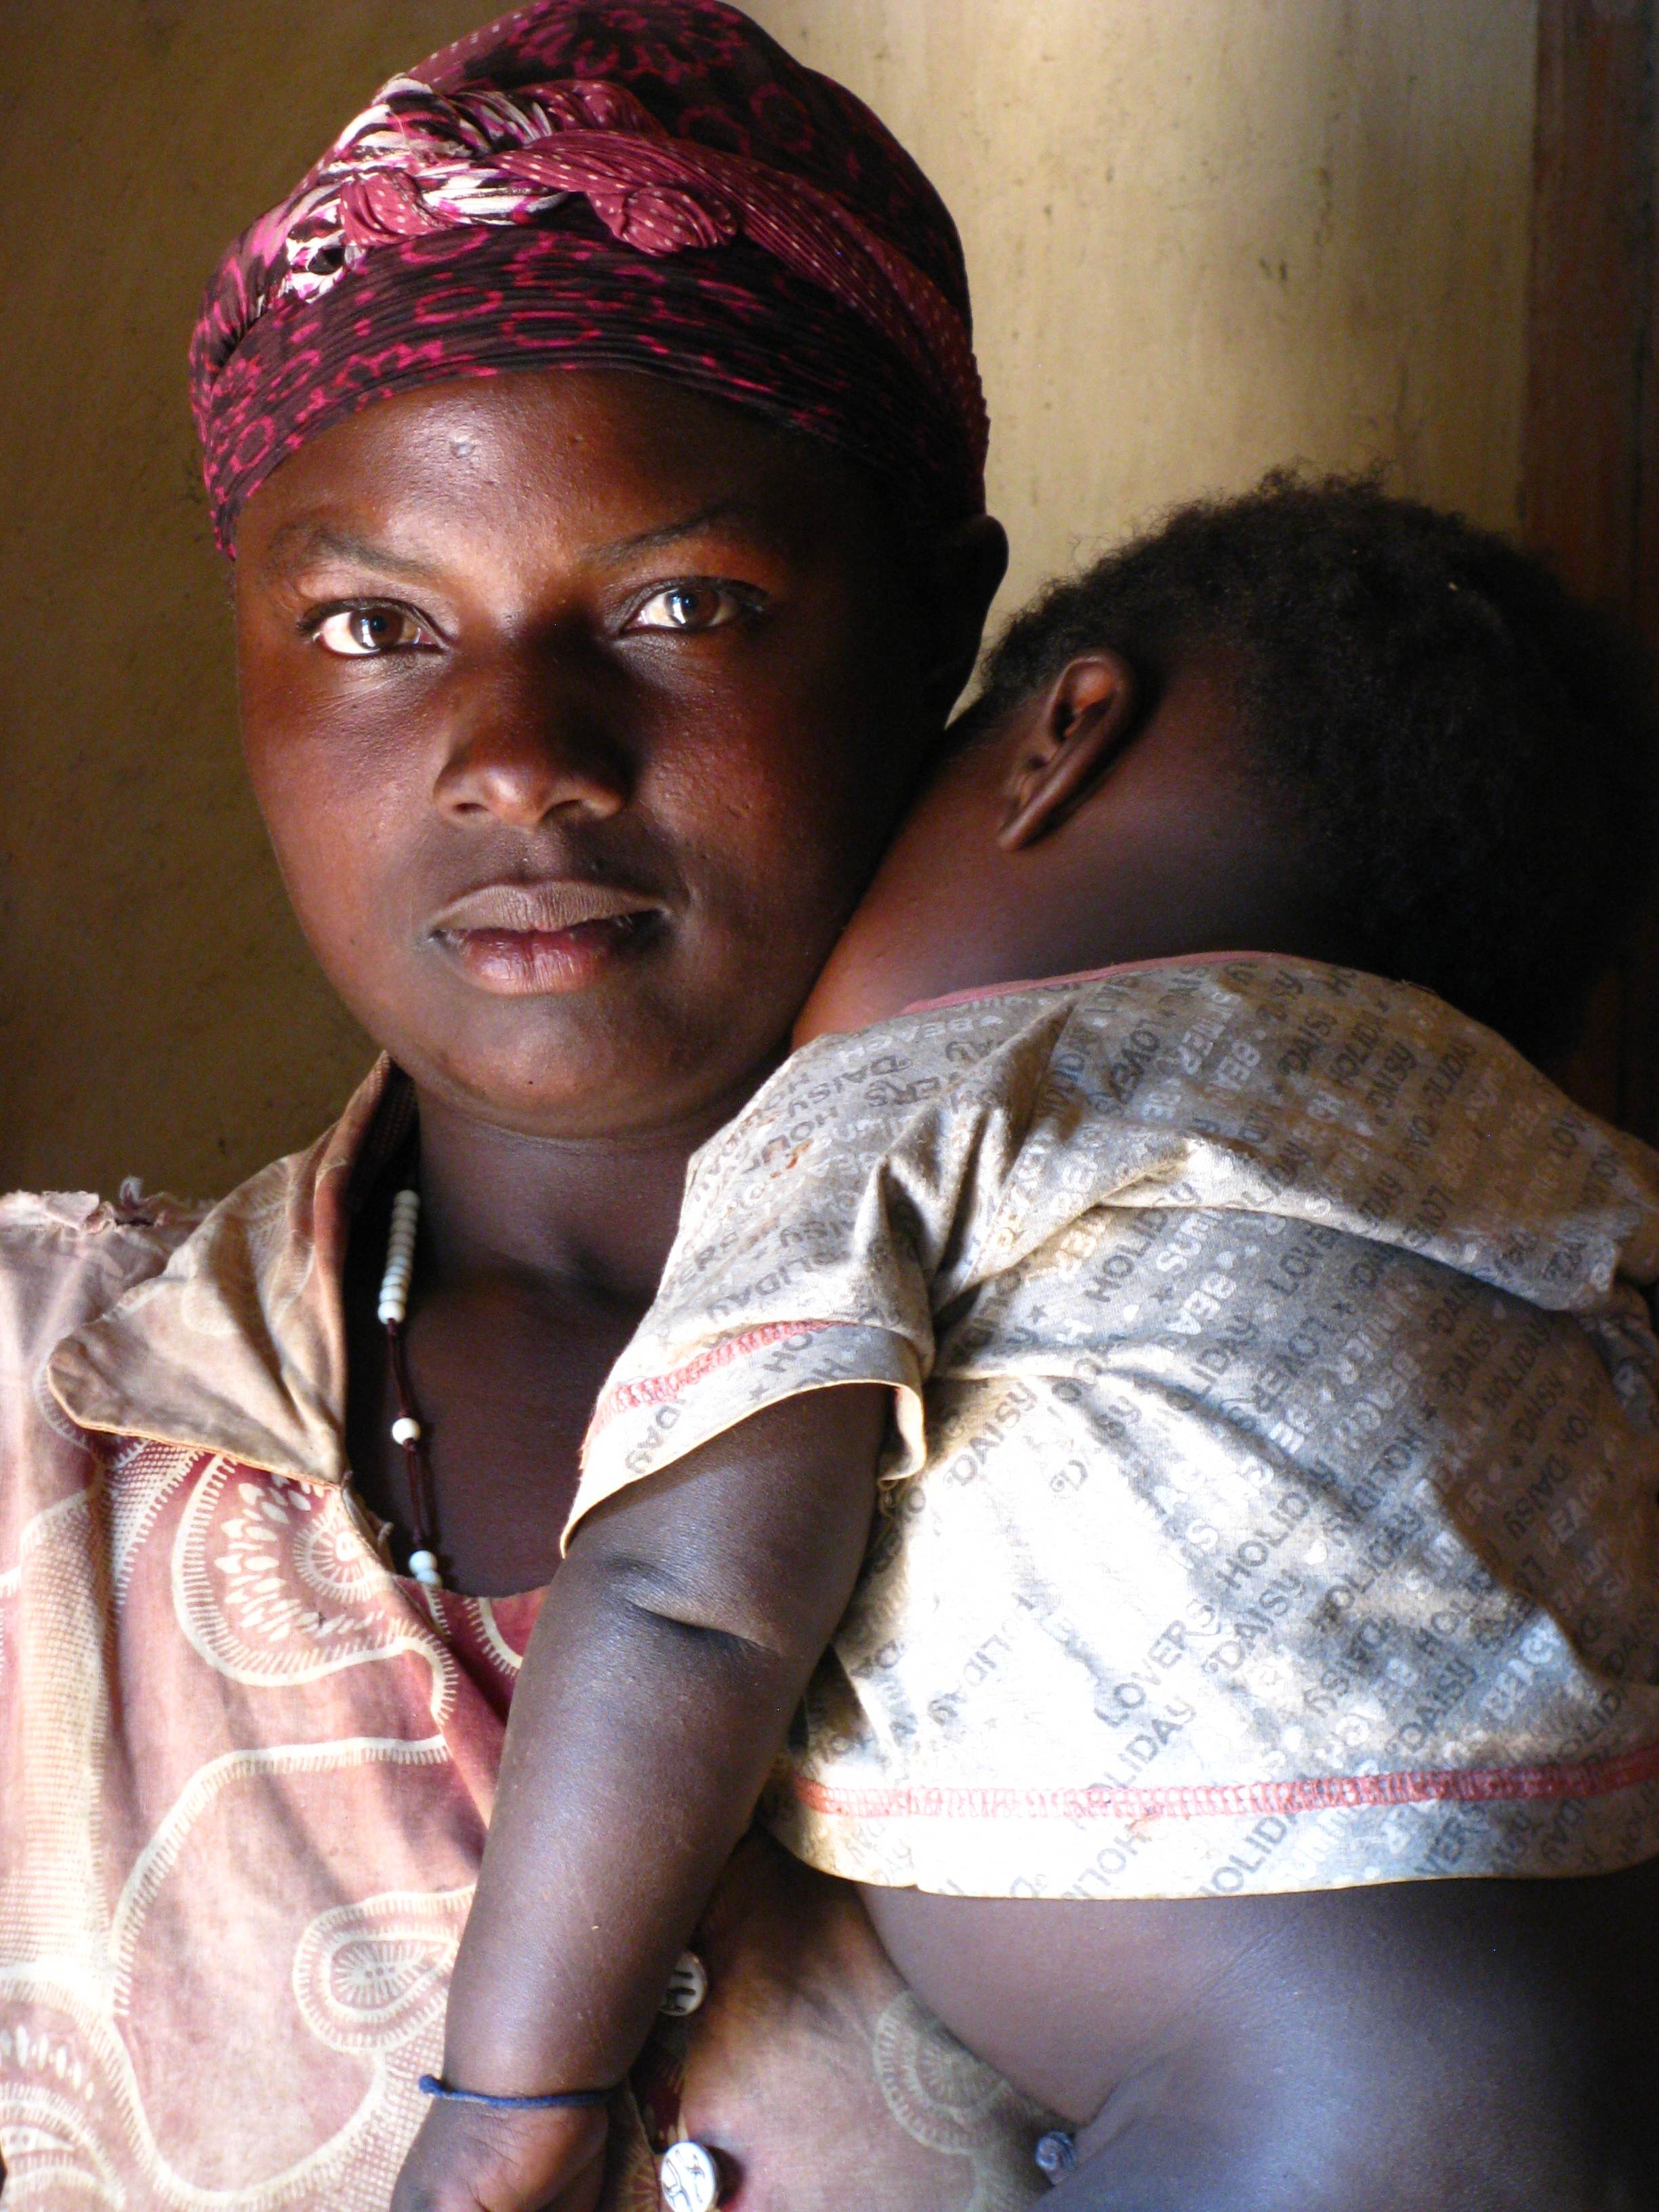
x,y
1597,1778
657,1389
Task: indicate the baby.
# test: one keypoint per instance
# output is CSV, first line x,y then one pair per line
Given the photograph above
x,y
1152,1472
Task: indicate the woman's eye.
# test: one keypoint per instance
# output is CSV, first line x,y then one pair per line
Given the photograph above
x,y
691,607
357,632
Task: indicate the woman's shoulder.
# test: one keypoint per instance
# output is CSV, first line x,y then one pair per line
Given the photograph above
x,y
67,1256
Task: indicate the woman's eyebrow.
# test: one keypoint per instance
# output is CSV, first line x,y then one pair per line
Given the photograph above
x,y
670,534
304,540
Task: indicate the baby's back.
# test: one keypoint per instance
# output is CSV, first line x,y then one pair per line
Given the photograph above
x,y
1400,2048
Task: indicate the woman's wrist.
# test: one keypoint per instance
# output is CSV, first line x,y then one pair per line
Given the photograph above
x,y
540,2100
471,2155
512,2035
525,2075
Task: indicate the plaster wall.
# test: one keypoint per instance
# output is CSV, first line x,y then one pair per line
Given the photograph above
x,y
1209,236
1206,236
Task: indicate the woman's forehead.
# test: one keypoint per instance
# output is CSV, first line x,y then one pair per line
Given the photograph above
x,y
608,464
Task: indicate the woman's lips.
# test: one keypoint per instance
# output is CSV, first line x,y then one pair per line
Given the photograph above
x,y
521,939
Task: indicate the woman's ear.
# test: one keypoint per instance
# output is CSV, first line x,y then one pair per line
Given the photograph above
x,y
1068,738
964,569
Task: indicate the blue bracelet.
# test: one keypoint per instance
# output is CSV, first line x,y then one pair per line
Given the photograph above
x,y
559,2100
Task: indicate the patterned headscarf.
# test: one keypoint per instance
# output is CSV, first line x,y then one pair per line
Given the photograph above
x,y
647,185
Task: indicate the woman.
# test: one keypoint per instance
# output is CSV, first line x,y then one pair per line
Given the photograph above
x,y
580,700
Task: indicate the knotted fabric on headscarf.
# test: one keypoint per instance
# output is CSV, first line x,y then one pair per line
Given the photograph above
x,y
653,186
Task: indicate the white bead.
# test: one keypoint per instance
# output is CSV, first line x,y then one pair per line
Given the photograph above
x,y
688,1986
1057,2153
405,1430
399,1257
423,1566
689,2178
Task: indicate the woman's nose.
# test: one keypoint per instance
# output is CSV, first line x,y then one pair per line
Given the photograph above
x,y
519,755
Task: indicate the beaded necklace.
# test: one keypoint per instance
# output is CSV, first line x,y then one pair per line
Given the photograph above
x,y
393,1311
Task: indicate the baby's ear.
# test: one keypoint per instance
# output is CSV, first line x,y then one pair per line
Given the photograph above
x,y
1064,741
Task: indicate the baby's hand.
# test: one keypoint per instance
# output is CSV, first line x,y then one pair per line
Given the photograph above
x,y
468,2158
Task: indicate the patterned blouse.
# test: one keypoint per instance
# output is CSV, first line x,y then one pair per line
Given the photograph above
x,y
245,1772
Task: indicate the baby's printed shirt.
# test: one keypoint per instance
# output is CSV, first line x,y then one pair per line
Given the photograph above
x,y
1273,1497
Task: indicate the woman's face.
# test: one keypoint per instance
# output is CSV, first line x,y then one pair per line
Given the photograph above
x,y
579,710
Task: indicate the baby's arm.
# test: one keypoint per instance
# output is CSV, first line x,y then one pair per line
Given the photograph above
x,y
670,1654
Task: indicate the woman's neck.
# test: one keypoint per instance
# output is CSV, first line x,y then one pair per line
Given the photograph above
x,y
536,1260
594,1214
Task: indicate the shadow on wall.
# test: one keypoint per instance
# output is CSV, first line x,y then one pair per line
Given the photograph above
x,y
159,1014
1202,239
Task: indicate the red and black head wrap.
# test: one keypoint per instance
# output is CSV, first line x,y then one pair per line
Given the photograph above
x,y
649,185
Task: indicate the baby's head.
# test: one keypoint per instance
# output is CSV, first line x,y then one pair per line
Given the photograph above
x,y
1315,720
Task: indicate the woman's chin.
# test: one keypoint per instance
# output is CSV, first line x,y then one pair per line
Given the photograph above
x,y
572,1062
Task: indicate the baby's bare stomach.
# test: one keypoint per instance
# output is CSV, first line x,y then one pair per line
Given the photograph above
x,y
1478,2042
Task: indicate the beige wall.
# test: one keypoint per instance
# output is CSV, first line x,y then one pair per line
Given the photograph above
x,y
1204,235
1207,236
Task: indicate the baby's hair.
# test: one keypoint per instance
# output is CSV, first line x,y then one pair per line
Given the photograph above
x,y
1468,751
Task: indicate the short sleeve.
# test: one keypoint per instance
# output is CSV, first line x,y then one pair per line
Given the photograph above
x,y
811,1241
